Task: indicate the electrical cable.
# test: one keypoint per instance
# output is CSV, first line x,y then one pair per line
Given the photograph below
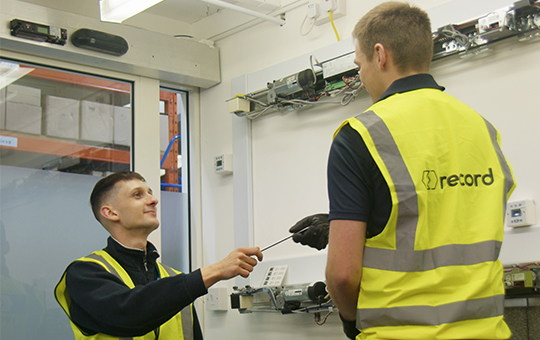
x,y
463,40
333,26
311,57
250,292
302,26
349,96
255,101
460,38
310,308
307,102
272,297
317,63
346,83
256,114
319,322
260,113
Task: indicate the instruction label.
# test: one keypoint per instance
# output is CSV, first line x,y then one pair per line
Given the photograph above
x,y
8,141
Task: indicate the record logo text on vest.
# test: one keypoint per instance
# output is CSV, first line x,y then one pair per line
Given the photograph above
x,y
430,179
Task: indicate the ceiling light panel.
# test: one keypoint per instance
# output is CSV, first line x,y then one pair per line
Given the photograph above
x,y
120,10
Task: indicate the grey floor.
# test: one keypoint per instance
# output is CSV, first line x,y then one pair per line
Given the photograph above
x,y
524,322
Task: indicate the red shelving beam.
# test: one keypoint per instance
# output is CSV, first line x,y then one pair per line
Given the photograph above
x,y
68,149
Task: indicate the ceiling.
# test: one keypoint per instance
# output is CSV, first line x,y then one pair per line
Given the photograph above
x,y
186,11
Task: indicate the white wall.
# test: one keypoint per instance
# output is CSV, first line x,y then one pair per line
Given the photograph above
x,y
290,150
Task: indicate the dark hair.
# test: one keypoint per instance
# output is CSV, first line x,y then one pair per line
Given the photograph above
x,y
106,185
404,30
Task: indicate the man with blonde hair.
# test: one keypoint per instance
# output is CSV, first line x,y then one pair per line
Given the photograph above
x,y
418,187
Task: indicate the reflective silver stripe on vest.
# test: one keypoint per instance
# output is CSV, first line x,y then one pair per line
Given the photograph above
x,y
407,218
404,258
187,323
509,181
169,270
431,316
105,263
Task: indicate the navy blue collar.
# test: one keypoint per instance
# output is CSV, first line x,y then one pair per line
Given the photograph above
x,y
129,257
411,83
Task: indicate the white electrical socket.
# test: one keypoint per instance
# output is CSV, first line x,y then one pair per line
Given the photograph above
x,y
337,7
313,9
216,299
328,5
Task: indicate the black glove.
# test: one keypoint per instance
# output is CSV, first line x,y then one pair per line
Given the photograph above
x,y
316,233
349,328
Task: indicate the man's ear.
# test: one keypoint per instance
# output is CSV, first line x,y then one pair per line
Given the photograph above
x,y
109,213
382,55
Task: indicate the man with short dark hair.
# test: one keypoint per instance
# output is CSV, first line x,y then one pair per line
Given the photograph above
x,y
417,186
122,292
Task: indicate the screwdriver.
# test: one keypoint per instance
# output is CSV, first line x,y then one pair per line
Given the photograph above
x,y
282,240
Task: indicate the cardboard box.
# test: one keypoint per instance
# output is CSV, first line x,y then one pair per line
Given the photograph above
x,y
3,108
61,117
23,95
23,118
122,125
96,122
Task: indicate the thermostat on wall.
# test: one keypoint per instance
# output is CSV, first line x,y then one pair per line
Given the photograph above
x,y
223,164
520,213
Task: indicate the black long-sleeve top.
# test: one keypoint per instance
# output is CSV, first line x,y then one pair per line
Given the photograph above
x,y
357,189
102,303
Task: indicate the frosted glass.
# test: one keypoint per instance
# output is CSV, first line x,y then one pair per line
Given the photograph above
x,y
46,223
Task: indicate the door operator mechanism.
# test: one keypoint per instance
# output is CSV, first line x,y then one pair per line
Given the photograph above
x,y
288,299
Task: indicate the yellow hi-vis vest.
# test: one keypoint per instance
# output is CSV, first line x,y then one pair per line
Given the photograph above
x,y
178,327
434,273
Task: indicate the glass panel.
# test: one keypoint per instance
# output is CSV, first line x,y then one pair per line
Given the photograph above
x,y
56,129
63,121
174,195
46,222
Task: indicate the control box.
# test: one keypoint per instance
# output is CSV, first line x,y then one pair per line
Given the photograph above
x,y
339,66
520,213
237,105
38,32
522,279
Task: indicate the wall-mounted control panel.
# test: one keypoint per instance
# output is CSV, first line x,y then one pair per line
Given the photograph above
x,y
38,32
223,164
520,213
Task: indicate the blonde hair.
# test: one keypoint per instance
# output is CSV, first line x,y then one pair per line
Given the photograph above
x,y
404,30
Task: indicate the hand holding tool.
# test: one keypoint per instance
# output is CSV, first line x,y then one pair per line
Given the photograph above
x,y
282,240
